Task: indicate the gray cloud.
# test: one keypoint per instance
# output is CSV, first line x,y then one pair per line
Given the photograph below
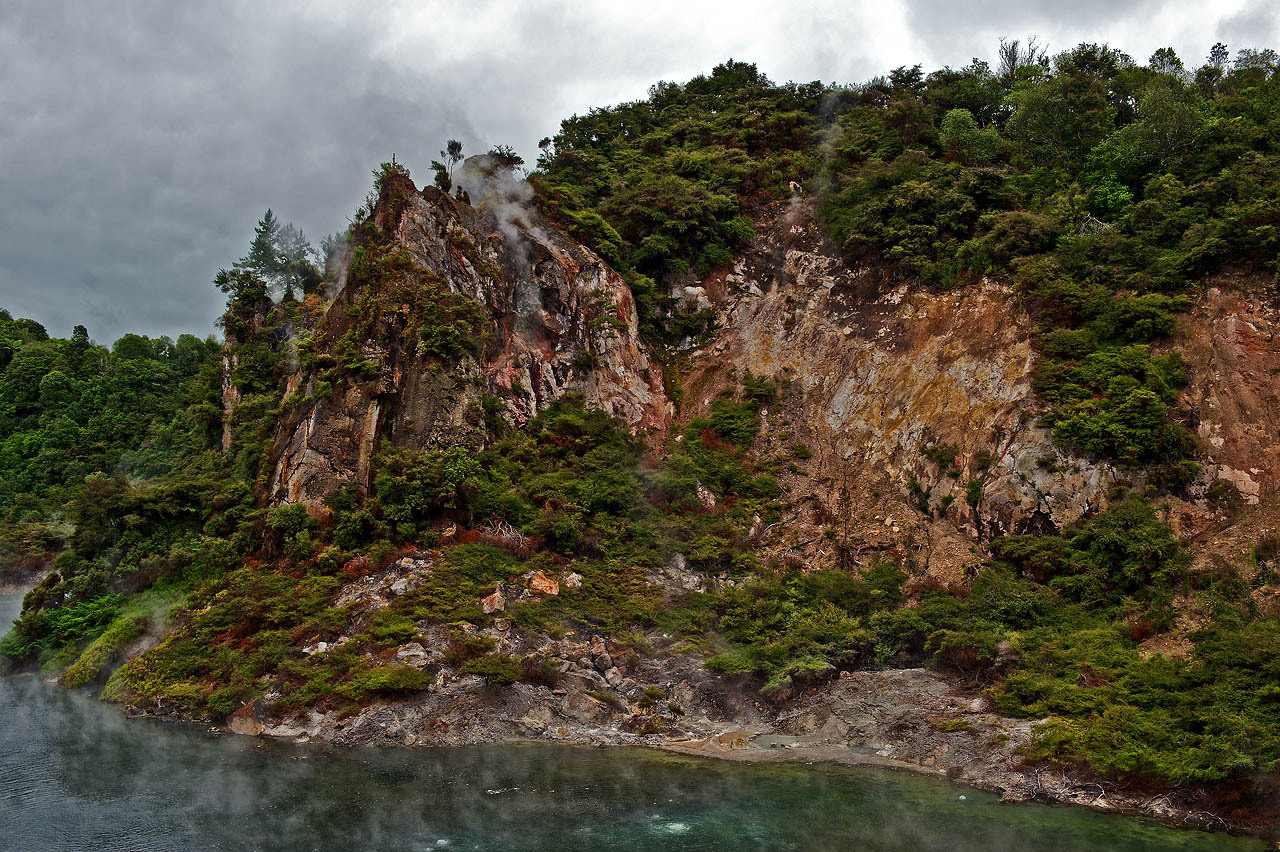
x,y
951,33
1255,25
142,146
141,140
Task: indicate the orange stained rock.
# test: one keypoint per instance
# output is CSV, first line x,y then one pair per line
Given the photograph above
x,y
540,582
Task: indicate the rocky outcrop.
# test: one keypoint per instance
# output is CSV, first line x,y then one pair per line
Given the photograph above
x,y
912,719
1231,343
917,404
559,321
919,408
878,374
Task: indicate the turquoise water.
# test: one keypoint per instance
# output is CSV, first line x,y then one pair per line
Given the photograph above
x,y
76,775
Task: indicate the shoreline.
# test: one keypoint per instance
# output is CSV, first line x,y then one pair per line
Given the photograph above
x,y
912,720
816,755
733,744
887,719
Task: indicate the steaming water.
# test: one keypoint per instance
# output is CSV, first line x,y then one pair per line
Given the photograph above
x,y
75,775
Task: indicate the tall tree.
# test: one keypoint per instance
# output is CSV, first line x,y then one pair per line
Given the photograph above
x,y
281,256
297,261
263,256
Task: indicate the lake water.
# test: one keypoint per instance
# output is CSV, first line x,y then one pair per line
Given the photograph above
x,y
76,775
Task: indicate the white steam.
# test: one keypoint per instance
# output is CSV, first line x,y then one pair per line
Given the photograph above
x,y
506,195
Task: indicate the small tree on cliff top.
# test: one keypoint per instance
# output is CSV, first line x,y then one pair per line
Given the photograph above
x,y
451,155
280,255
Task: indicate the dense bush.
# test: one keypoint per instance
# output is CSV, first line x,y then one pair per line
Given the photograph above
x,y
666,184
70,408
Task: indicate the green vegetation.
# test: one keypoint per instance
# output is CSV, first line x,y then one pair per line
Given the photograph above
x,y
1052,629
439,322
1099,590
70,409
668,184
123,469
568,494
1103,188
281,256
794,627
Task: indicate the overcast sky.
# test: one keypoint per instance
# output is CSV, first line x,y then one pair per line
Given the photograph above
x,y
140,141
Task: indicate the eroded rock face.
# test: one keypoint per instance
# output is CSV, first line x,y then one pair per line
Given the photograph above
x,y
1232,401
878,371
560,321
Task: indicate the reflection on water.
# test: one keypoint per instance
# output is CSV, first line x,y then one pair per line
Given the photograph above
x,y
74,774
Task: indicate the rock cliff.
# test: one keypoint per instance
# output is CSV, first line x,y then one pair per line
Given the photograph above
x,y
921,436
904,395
918,405
555,319
1233,402
920,410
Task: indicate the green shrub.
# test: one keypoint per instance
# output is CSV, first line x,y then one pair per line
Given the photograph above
x,y
497,669
393,627
973,492
102,651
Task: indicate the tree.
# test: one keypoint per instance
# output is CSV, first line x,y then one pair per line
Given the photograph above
x,y
1166,61
964,140
332,248
548,149
973,87
279,255
243,285
452,153
1094,60
388,170
909,81
263,256
442,180
1059,120
1219,57
1170,124
1014,57
1256,64
1215,67
296,258
506,157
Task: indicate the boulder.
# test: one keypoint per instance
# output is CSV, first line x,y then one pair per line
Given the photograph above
x,y
412,654
496,602
249,720
540,582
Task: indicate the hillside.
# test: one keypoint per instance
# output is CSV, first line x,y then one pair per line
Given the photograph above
x,y
927,419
